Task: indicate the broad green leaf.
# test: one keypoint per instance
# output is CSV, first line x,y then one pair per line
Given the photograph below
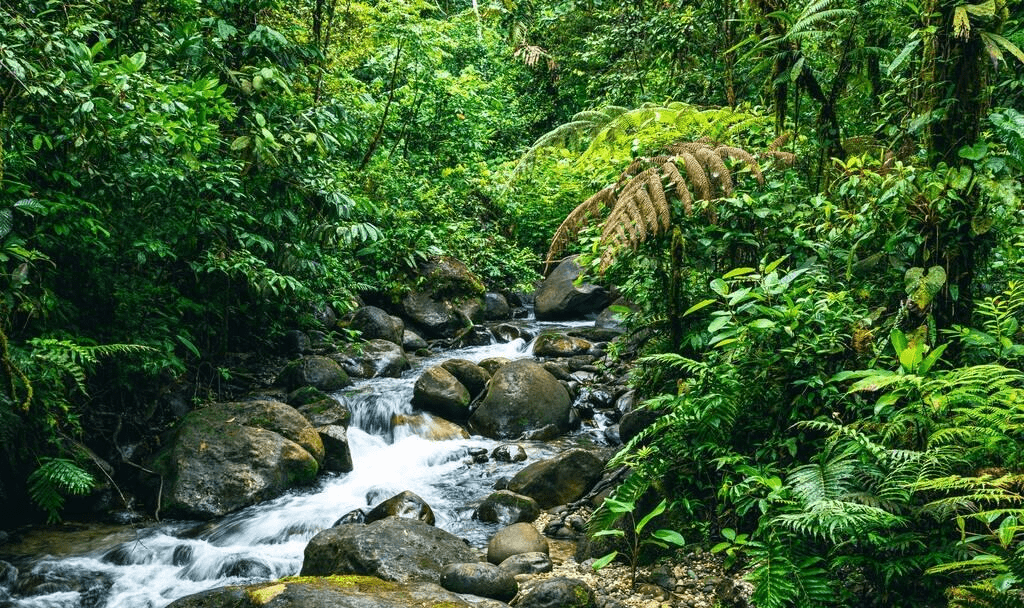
x,y
718,323
899,340
771,267
738,272
721,547
720,287
762,324
609,533
698,306
931,359
656,511
729,533
240,143
669,536
604,561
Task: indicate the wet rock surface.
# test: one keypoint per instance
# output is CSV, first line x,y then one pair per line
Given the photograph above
x,y
521,396
394,549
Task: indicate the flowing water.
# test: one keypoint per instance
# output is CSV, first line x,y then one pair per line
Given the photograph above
x,y
152,566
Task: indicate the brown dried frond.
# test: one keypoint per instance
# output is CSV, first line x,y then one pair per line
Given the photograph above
x,y
744,157
780,141
636,167
659,200
716,169
688,147
698,178
786,158
576,221
672,172
530,54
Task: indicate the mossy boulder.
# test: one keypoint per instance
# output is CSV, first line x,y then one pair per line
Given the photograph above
x,y
556,344
232,455
316,371
327,592
559,592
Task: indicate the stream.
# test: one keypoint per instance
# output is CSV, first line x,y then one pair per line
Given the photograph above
x,y
102,566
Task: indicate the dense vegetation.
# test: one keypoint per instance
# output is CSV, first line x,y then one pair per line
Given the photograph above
x,y
815,204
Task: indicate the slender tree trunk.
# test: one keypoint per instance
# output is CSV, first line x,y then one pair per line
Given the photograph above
x,y
387,108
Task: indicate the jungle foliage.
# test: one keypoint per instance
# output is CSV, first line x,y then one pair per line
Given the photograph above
x,y
813,207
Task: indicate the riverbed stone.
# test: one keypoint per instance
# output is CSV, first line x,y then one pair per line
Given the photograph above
x,y
559,592
439,392
471,375
506,508
325,412
231,455
374,323
394,549
513,540
496,307
509,453
412,341
493,364
535,562
556,344
559,297
426,426
330,592
337,454
407,505
521,396
316,371
373,359
559,480
481,579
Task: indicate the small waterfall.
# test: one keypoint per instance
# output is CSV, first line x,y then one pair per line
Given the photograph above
x,y
394,448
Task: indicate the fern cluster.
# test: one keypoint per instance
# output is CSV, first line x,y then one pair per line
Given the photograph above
x,y
54,478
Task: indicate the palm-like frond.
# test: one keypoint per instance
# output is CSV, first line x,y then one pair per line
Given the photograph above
x,y
640,201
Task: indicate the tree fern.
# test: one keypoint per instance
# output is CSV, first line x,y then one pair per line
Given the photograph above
x,y
54,478
640,201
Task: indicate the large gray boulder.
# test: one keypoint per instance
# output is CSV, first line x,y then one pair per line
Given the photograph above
x,y
452,299
559,480
480,579
330,592
521,396
394,549
558,296
439,392
232,455
373,359
316,371
513,540
374,323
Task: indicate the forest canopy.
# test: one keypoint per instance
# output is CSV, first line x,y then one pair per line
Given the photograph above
x,y
811,207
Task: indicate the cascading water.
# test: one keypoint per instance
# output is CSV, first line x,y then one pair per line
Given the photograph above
x,y
394,448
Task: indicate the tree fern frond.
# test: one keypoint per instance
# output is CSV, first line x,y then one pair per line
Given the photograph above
x,y
576,221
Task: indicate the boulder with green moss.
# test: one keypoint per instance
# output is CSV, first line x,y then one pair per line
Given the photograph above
x,y
232,455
